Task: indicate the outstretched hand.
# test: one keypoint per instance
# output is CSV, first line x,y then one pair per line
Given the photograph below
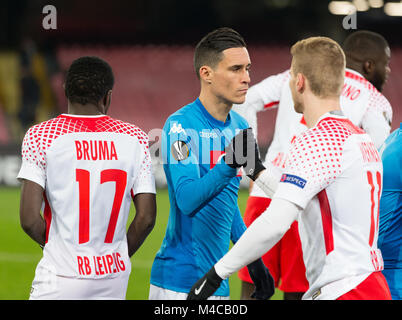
x,y
243,151
206,286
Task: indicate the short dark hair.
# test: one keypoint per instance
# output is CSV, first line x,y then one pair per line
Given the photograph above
x,y
209,50
365,44
88,80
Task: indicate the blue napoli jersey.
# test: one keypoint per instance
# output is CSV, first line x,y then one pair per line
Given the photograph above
x,y
390,231
203,190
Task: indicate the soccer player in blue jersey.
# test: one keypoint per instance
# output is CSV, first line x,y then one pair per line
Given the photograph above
x,y
202,149
390,233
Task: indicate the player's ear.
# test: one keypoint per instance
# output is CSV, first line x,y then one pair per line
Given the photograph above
x,y
300,82
369,67
206,74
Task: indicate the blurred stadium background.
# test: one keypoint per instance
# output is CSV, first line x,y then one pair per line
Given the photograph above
x,y
149,44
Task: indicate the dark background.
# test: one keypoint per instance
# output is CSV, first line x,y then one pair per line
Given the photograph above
x,y
150,46
183,21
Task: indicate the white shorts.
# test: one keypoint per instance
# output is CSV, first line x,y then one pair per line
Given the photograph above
x,y
158,293
48,286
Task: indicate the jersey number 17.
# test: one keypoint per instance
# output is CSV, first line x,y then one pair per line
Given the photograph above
x,y
83,179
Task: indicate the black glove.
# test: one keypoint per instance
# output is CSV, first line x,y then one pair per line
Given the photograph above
x,y
243,151
206,286
254,164
263,281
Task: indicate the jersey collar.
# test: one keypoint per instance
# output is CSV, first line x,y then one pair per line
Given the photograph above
x,y
331,114
355,73
81,116
214,122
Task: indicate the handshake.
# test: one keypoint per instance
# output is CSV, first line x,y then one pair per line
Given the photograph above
x,y
243,151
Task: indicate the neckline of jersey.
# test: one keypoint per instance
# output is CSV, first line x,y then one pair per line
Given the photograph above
x,y
330,114
81,116
210,118
354,72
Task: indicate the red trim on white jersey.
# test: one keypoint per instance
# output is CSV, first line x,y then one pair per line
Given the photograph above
x,y
329,182
88,166
374,201
47,215
326,216
346,124
271,104
40,137
360,79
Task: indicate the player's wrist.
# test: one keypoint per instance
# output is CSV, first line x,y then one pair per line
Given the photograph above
x,y
263,281
213,276
206,286
257,170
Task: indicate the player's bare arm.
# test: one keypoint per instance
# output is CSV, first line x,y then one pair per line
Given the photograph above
x,y
144,221
31,219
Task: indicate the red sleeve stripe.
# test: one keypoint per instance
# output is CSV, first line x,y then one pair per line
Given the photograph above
x,y
47,216
326,216
271,104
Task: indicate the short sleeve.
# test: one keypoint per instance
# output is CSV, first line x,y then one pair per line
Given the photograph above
x,y
33,165
145,180
377,119
313,163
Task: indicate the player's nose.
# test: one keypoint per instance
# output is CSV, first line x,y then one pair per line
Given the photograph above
x,y
246,77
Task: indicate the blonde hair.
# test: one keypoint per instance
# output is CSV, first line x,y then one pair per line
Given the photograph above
x,y
322,61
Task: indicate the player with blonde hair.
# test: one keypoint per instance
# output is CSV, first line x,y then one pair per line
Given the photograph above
x,y
331,184
367,68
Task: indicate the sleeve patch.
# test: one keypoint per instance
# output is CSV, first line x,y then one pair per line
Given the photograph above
x,y
180,150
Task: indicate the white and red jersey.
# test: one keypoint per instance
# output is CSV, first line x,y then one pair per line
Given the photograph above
x,y
90,168
360,101
334,172
366,107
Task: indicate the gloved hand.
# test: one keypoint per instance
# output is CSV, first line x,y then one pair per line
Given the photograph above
x,y
243,151
206,286
263,281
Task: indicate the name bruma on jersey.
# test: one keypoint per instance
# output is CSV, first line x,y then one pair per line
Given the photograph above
x,y
95,150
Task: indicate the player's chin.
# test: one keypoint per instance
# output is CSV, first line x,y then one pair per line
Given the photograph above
x,y
239,99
